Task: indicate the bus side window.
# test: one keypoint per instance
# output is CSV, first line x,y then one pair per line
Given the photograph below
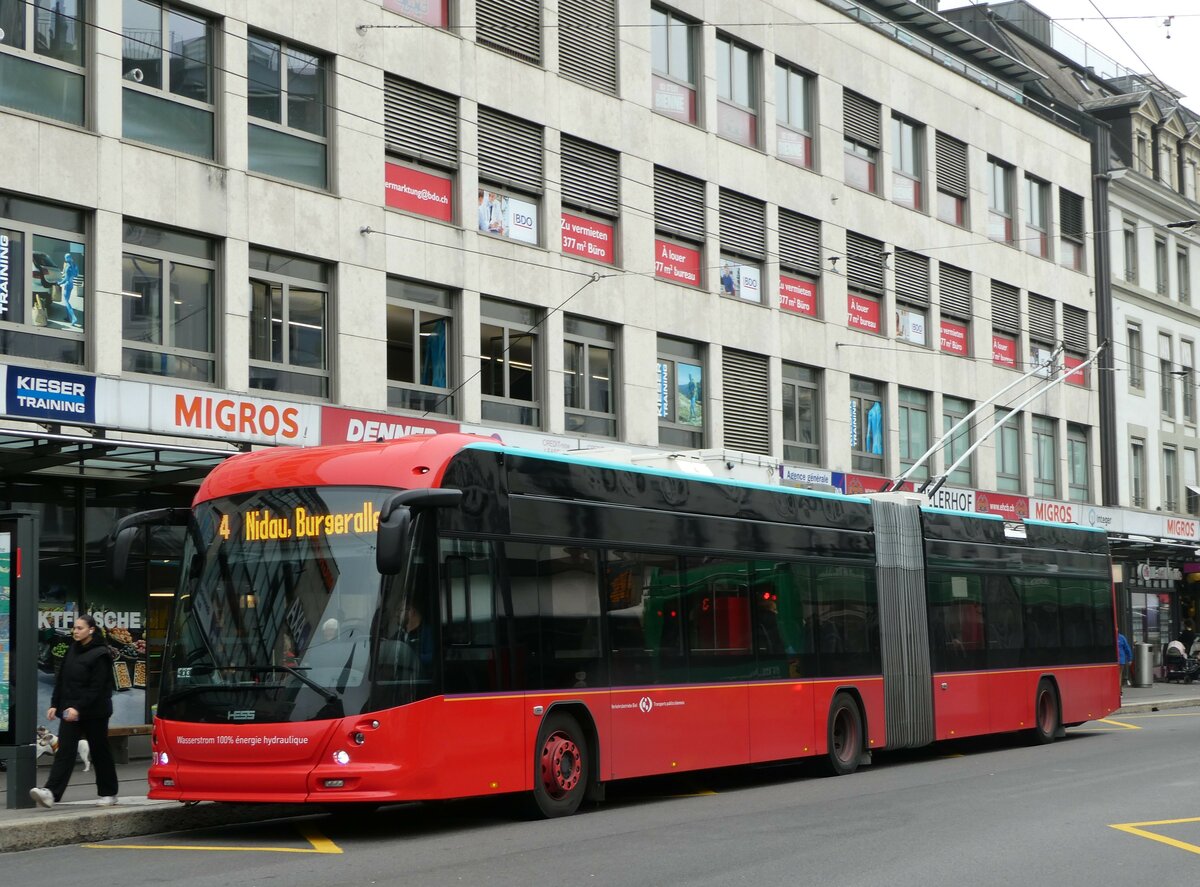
x,y
468,615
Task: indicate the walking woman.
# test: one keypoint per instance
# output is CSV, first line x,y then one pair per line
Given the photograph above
x,y
83,696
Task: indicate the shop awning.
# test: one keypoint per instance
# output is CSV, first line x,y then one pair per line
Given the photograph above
x,y
121,465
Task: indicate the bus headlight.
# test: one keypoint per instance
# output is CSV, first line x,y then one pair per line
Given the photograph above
x,y
341,756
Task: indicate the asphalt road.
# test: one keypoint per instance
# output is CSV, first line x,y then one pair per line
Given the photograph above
x,y
994,812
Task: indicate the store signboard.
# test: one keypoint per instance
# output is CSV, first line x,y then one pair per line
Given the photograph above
x,y
6,630
1056,512
414,191
340,426
953,499
1007,506
796,476
47,395
187,411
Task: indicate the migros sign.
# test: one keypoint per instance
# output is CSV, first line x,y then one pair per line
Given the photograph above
x,y
230,416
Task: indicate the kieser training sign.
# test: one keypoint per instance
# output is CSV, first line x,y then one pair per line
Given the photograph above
x,y
46,394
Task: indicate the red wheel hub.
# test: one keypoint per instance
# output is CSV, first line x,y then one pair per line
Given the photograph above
x,y
561,765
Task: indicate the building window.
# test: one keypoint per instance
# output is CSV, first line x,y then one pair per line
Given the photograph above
x,y
793,115
1187,379
908,163
1166,376
954,410
914,431
420,130
1042,332
1078,463
1071,229
288,110
43,297
1183,273
168,295
510,177
737,91
1008,451
1133,339
168,97
510,363
861,136
1045,457
1170,479
679,227
911,282
289,324
954,292
1000,201
420,344
745,378
589,380
864,278
801,414
799,263
587,43
951,167
1129,234
513,27
591,200
743,246
673,60
868,425
1160,265
431,12
1006,324
1137,472
1075,343
43,58
681,393
1191,486
1037,217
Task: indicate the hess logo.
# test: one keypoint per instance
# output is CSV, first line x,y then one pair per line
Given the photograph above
x,y
646,704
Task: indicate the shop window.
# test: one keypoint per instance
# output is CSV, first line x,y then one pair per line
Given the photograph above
x,y
420,344
167,63
868,425
288,110
510,363
43,58
801,414
673,63
681,393
289,324
168,297
589,383
43,281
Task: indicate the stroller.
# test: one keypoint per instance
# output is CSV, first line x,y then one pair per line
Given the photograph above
x,y
1178,666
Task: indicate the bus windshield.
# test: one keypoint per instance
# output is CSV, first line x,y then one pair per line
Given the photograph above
x,y
279,617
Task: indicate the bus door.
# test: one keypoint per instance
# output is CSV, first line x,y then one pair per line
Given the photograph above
x,y
479,732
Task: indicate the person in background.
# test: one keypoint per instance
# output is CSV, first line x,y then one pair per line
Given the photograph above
x,y
1187,637
83,695
1124,659
417,634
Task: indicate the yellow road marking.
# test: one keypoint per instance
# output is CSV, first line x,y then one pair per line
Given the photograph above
x,y
318,844
1135,828
1120,724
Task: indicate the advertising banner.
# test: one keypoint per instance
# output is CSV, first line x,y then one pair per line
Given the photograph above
x,y
910,326
6,632
1055,512
664,390
510,217
737,125
741,281
1005,505
797,296
1079,377
795,476
12,255
857,484
1004,351
431,12
954,338
352,426
792,147
588,239
188,412
678,264
953,499
39,394
690,394
862,313
418,192
673,100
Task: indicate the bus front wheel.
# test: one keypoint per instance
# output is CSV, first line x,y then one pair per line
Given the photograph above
x,y
845,735
561,768
1045,714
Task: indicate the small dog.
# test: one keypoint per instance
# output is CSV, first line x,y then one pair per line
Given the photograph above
x,y
48,742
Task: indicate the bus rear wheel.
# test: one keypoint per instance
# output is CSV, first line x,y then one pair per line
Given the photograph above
x,y
561,768
845,735
1045,713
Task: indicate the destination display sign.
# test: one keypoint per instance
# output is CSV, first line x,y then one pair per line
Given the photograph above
x,y
266,525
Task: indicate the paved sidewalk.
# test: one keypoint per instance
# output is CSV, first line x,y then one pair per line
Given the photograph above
x,y
77,819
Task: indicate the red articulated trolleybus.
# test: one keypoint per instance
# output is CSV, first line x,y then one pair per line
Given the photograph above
x,y
444,616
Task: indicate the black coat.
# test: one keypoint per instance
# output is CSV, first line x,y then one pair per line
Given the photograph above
x,y
85,681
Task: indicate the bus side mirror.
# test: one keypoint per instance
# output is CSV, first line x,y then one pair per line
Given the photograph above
x,y
126,530
122,543
395,524
391,542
